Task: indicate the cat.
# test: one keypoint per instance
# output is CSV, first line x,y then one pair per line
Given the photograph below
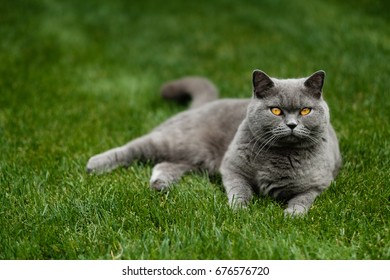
x,y
278,143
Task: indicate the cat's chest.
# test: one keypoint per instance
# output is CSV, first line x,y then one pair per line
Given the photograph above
x,y
283,166
290,171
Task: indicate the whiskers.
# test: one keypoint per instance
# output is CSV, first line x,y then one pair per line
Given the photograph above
x,y
312,137
300,138
262,141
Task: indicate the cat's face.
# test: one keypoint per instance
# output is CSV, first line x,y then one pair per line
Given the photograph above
x,y
288,113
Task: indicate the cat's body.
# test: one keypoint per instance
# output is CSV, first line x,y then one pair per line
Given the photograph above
x,y
234,136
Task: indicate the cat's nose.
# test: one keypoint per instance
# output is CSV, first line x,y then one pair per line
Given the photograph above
x,y
292,125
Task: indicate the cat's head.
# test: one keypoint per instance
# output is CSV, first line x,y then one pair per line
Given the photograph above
x,y
288,112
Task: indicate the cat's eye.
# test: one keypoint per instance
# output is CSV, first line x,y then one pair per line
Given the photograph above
x,y
276,111
305,111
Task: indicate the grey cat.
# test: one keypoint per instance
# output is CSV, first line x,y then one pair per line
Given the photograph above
x,y
278,143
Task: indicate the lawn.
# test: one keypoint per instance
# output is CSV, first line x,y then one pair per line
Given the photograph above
x,y
79,77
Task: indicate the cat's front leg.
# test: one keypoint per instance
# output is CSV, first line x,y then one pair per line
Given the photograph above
x,y
239,192
236,174
301,203
237,187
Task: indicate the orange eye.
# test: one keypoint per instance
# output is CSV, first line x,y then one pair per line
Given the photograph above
x,y
276,111
305,111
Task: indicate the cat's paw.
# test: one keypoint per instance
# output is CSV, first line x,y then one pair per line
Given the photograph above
x,y
159,185
99,164
238,203
295,211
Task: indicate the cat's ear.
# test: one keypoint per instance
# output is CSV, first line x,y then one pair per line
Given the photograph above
x,y
261,83
315,83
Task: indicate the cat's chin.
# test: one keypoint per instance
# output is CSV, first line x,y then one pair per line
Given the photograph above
x,y
292,141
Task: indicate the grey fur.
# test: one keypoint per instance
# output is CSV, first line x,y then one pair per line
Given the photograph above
x,y
199,89
289,157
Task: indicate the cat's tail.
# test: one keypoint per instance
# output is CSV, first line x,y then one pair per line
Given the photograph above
x,y
199,90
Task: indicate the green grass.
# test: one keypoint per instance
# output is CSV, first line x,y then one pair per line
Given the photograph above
x,y
79,77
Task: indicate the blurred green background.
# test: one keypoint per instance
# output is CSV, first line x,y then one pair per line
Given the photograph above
x,y
79,77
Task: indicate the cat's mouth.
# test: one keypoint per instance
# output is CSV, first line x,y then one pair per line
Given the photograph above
x,y
291,137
